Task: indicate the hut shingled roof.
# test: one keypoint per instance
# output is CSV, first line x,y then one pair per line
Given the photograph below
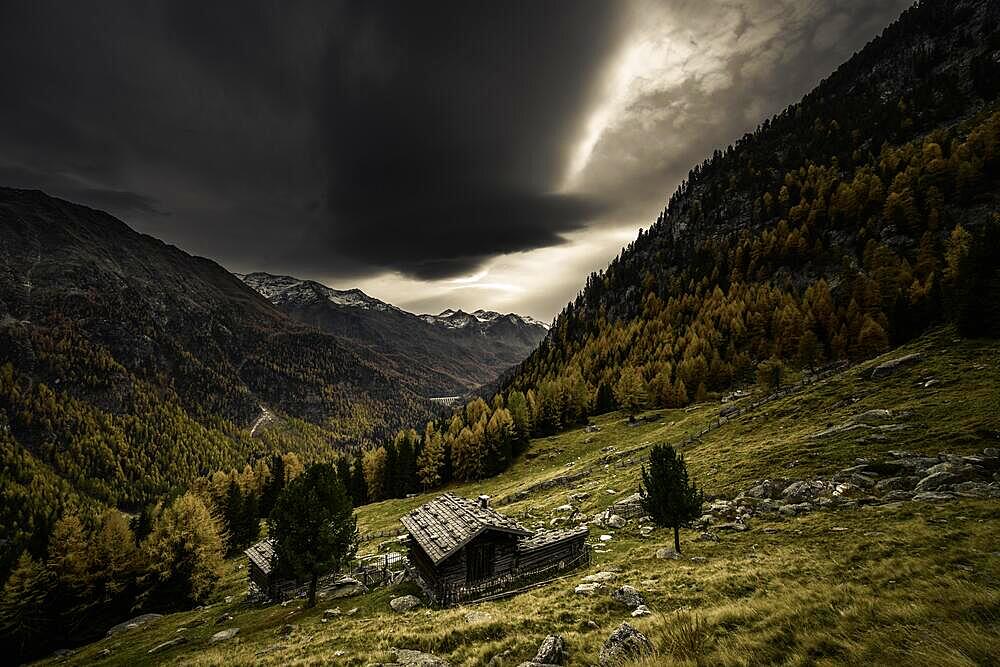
x,y
446,524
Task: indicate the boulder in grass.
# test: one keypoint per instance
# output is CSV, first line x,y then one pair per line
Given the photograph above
x,y
405,603
133,623
625,643
935,481
224,635
402,657
176,641
552,651
933,497
628,596
889,367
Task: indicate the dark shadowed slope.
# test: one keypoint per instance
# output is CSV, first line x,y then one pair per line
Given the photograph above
x,y
128,367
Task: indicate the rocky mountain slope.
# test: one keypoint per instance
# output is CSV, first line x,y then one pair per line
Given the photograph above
x,y
443,355
129,367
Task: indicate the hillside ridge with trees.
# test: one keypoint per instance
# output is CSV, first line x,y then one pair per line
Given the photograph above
x,y
843,226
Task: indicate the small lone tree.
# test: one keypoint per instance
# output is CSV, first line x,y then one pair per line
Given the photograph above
x,y
770,374
314,526
668,496
630,392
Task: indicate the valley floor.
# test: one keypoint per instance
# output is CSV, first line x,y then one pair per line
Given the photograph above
x,y
915,582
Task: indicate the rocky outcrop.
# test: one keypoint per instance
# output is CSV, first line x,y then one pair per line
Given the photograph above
x,y
625,643
665,553
903,476
587,589
345,587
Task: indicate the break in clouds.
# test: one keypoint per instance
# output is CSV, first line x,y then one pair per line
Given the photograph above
x,y
435,154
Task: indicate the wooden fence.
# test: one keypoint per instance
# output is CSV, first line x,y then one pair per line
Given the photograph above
x,y
373,572
732,412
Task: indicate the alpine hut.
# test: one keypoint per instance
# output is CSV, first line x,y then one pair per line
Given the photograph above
x,y
260,568
461,549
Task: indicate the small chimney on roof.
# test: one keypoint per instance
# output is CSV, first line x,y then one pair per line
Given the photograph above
x,y
484,502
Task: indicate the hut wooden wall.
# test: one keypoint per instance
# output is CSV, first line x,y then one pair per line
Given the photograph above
x,y
551,553
423,563
454,569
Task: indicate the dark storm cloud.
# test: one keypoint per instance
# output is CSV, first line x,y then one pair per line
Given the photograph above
x,y
705,73
343,138
119,200
362,142
439,160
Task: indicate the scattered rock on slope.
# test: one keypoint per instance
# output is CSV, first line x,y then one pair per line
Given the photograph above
x,y
223,635
552,651
405,603
628,596
176,641
890,367
625,643
402,657
133,623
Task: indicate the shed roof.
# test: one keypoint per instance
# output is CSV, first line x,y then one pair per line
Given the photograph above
x,y
449,522
547,538
262,555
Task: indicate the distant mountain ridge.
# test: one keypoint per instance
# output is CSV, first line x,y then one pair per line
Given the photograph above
x,y
459,318
447,354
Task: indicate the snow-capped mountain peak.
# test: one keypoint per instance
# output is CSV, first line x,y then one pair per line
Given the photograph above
x,y
286,289
290,291
459,319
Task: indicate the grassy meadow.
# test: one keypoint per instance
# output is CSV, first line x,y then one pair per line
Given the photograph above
x,y
906,584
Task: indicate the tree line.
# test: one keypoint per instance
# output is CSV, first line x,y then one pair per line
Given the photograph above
x,y
101,566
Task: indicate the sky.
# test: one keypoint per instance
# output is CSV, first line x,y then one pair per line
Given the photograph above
x,y
434,154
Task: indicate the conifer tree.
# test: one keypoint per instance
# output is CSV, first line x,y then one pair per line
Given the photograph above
x,y
344,475
359,488
431,459
114,555
314,527
388,484
373,465
517,404
185,552
25,620
770,374
274,485
232,514
630,392
667,495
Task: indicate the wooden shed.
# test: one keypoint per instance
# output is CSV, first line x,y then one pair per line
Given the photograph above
x,y
463,549
260,568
